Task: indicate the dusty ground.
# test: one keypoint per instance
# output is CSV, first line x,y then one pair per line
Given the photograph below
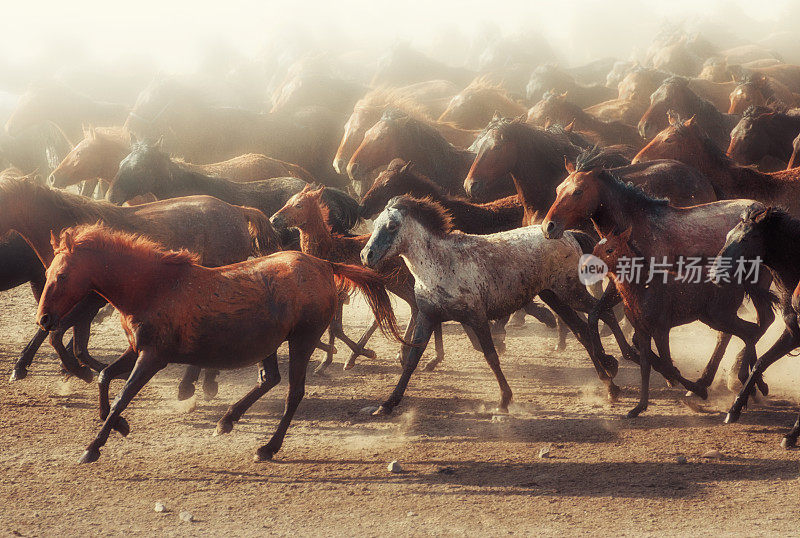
x,y
465,472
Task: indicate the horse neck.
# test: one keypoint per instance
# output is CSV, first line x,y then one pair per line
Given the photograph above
x,y
447,169
621,209
780,253
315,237
185,181
425,253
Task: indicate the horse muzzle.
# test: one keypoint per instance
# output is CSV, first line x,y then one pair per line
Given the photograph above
x,y
552,230
48,322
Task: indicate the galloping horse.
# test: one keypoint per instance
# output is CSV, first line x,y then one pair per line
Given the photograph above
x,y
660,230
476,278
175,311
686,142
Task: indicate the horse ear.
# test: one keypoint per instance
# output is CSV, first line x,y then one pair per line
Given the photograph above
x,y
54,240
569,165
691,122
761,215
626,235
597,229
406,167
67,241
563,95
496,116
570,126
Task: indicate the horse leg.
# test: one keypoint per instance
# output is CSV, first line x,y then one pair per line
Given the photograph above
x,y
338,332
788,341
26,358
186,386
87,188
68,360
727,320
299,355
438,343
268,377
80,345
485,337
541,313
117,369
473,339
401,355
561,345
644,368
710,371
210,385
790,439
668,369
351,361
422,334
518,319
580,329
498,331
143,371
331,338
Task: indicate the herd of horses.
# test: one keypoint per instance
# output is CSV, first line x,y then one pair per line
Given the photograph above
x,y
219,230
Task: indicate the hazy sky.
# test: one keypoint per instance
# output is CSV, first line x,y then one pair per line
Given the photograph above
x,y
173,30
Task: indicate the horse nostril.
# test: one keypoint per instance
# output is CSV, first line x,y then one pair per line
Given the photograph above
x,y
44,321
551,227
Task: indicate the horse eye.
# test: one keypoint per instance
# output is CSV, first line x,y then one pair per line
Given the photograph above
x,y
391,226
609,250
61,277
577,192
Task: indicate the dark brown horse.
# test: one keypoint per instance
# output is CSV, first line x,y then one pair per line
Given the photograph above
x,y
686,142
148,169
660,230
217,231
307,212
764,137
399,136
535,159
760,90
675,95
556,108
175,311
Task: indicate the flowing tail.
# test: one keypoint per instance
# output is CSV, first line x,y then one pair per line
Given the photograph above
x,y
371,284
265,238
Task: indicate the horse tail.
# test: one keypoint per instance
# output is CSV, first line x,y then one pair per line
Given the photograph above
x,y
265,238
343,210
584,240
372,285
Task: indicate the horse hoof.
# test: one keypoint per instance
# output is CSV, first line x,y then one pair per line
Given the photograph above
x,y
368,353
185,391
560,347
382,411
763,387
210,390
633,413
787,443
18,374
613,392
732,416
500,347
85,373
320,370
122,427
431,366
263,454
90,456
701,391
223,426
610,365
349,364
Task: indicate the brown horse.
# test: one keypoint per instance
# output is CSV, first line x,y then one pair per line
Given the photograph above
x,y
550,78
660,230
64,107
196,130
474,106
556,108
675,95
686,142
220,233
535,159
98,155
399,136
655,304
765,137
369,110
760,90
307,212
175,311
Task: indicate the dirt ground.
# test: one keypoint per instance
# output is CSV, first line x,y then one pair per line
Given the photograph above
x,y
465,472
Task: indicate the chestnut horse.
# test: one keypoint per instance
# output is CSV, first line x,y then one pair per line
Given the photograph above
x,y
535,159
369,110
307,212
655,304
686,142
675,95
765,137
98,155
476,278
399,136
773,236
555,108
176,311
660,230
760,90
218,232
474,106
148,169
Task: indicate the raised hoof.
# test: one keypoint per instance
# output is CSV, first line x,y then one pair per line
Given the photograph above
x,y
18,374
732,416
348,365
185,391
610,365
763,387
210,390
382,411
613,392
122,427
560,346
90,456
264,453
223,426
368,353
788,443
432,364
